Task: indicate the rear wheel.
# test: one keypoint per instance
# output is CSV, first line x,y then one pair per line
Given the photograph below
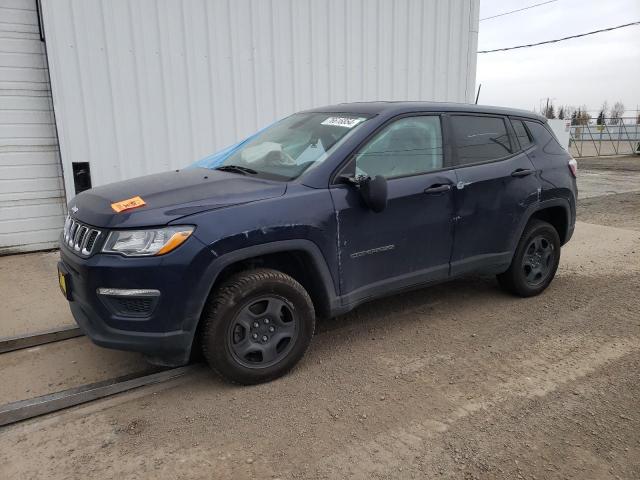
x,y
535,261
257,326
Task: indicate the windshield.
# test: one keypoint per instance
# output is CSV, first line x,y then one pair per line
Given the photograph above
x,y
287,148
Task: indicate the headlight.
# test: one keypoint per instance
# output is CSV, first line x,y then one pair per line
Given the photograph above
x,y
144,243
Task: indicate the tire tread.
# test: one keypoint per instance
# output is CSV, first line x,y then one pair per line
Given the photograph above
x,y
510,281
224,296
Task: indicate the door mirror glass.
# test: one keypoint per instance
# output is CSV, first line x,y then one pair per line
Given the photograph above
x,y
374,192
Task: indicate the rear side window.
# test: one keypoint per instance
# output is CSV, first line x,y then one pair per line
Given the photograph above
x,y
545,139
522,134
480,139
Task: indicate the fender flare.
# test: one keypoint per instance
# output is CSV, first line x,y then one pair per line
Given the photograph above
x,y
213,271
536,207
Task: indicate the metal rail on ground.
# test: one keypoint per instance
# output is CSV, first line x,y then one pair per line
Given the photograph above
x,y
34,407
9,344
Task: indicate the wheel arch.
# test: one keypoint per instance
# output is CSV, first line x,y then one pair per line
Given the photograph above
x,y
555,211
296,262
301,259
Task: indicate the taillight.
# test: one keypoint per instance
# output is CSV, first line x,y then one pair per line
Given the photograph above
x,y
573,166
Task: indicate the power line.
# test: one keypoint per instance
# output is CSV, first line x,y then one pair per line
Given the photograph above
x,y
559,39
515,11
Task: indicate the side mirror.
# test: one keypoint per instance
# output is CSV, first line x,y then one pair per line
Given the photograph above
x,y
374,192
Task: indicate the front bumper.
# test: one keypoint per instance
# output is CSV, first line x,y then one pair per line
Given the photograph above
x,y
168,348
164,332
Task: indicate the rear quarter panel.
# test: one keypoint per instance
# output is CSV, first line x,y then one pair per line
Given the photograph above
x,y
552,165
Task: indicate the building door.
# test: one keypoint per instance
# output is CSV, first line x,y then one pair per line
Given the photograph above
x,y
31,187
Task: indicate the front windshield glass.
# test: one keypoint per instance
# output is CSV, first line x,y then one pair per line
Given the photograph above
x,y
287,148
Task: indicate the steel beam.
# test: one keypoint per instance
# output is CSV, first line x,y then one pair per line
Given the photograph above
x,y
26,409
9,344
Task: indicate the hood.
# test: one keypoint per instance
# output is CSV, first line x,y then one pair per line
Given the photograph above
x,y
169,196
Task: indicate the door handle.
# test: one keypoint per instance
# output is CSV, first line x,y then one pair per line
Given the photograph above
x,y
438,188
521,172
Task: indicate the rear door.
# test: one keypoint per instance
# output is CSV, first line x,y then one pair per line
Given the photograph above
x,y
496,182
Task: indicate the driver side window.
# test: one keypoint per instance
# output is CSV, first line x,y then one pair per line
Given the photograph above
x,y
409,146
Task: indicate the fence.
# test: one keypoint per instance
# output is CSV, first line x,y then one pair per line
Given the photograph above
x,y
613,137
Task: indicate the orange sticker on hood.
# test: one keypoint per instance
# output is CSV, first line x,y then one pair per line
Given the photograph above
x,y
128,204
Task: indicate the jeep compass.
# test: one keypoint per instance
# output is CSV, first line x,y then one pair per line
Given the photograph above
x,y
237,255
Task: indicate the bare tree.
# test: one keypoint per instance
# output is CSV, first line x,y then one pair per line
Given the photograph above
x,y
580,116
602,115
616,113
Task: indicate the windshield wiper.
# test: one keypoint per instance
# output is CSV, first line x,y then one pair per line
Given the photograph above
x,y
236,169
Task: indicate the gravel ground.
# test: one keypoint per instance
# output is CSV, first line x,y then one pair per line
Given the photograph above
x,y
50,368
455,381
629,163
621,210
34,302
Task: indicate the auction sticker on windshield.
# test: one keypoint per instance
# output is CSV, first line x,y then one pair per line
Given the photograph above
x,y
346,122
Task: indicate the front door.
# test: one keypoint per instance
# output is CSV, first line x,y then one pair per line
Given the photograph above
x,y
410,241
496,185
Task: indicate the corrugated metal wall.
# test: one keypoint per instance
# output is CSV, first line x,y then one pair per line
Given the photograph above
x,y
31,191
150,85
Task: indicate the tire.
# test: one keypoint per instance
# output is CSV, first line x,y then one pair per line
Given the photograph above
x,y
534,264
257,326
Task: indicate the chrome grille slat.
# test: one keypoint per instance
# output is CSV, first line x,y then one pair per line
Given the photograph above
x,y
92,238
72,233
79,237
77,240
85,238
76,237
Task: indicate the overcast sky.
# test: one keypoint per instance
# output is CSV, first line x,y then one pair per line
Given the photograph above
x,y
582,71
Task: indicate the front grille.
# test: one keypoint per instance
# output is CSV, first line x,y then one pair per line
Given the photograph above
x,y
79,237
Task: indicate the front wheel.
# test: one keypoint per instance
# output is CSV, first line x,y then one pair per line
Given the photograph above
x,y
257,326
535,261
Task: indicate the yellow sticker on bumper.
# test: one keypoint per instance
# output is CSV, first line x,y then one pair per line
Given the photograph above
x,y
128,204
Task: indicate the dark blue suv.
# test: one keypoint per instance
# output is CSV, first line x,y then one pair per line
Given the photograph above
x,y
238,254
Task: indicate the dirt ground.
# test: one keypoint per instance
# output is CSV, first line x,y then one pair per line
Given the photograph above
x,y
33,302
50,368
629,163
621,210
455,381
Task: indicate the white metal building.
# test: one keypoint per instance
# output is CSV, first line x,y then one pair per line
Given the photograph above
x,y
145,86
31,191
